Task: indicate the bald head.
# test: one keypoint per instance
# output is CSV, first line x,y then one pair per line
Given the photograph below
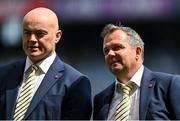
x,y
40,33
42,14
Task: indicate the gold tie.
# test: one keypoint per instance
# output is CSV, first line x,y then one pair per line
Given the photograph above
x,y
25,95
123,107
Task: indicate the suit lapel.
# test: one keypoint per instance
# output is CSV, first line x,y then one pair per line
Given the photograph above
x,y
147,85
12,90
53,74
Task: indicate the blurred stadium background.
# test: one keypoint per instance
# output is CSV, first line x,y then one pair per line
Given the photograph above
x,y
157,22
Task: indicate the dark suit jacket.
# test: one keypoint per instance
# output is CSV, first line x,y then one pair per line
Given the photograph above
x,y
156,98
63,94
165,104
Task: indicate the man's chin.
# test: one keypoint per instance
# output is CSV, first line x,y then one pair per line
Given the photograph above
x,y
35,57
116,69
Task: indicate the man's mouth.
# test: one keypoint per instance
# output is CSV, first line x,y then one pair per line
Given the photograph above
x,y
32,46
114,61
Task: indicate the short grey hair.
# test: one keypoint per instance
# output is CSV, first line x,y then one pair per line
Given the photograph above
x,y
134,38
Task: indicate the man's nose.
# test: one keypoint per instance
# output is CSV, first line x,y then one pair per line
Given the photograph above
x,y
33,37
111,53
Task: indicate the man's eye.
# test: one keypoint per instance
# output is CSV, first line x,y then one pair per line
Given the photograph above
x,y
26,33
40,34
115,48
106,51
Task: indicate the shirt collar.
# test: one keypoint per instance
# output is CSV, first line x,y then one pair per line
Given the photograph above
x,y
43,65
136,77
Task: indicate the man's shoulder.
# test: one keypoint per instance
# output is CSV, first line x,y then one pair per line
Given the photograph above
x,y
7,70
11,64
162,76
159,75
107,91
69,69
70,73
164,79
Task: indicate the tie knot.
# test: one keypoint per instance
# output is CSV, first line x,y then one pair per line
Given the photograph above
x,y
34,67
126,89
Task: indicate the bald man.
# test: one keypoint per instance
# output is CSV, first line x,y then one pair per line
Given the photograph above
x,y
41,86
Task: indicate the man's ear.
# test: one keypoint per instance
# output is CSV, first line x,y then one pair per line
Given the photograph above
x,y
58,36
138,52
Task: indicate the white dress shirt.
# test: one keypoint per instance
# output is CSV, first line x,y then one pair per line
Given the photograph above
x,y
43,67
134,97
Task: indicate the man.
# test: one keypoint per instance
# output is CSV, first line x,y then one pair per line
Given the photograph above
x,y
137,93
60,91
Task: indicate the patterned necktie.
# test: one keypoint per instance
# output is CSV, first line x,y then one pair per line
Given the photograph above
x,y
25,95
123,108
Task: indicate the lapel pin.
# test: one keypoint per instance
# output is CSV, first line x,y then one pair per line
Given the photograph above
x,y
56,77
151,85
